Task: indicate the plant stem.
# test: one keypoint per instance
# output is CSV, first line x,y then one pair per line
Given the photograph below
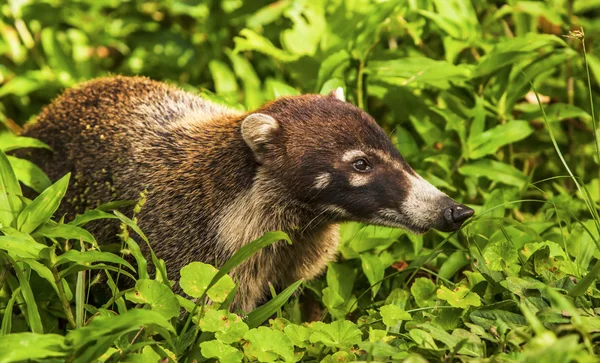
x,y
63,299
359,84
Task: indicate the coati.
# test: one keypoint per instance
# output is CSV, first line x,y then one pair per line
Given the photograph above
x,y
217,178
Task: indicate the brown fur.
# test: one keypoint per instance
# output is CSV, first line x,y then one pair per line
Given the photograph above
x,y
119,136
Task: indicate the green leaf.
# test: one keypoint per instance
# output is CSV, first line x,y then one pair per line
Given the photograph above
x,y
93,339
493,139
196,278
495,171
228,328
244,253
487,318
31,346
221,351
155,294
88,257
91,215
262,313
373,269
29,174
10,142
41,209
460,297
498,255
513,50
250,40
299,334
275,89
424,292
417,71
341,334
225,83
392,314
66,231
268,345
22,246
10,204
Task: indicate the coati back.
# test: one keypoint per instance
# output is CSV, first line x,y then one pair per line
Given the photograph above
x,y
217,178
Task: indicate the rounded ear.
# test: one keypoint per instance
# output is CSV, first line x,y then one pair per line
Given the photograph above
x,y
258,129
338,93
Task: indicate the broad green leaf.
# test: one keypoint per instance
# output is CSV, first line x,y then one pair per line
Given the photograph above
x,y
333,66
221,351
460,297
252,84
147,355
373,269
392,314
88,257
11,142
495,171
225,83
493,139
250,40
41,209
22,246
31,346
422,338
299,334
424,292
10,204
262,313
66,231
512,50
275,89
196,278
155,294
341,334
417,71
268,345
228,328
500,255
29,174
486,318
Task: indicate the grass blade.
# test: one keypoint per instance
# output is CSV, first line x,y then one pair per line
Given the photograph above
x,y
262,313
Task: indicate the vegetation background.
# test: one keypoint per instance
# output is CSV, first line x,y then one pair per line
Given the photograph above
x,y
452,81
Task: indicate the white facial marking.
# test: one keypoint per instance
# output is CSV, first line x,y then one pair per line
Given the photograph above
x,y
322,181
352,154
339,94
388,160
421,203
358,180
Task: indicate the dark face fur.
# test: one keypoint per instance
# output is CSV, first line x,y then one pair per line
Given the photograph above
x,y
334,159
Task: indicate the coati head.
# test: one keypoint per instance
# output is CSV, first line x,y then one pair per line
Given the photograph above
x,y
334,159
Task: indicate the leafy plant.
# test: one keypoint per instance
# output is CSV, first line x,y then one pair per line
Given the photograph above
x,y
492,102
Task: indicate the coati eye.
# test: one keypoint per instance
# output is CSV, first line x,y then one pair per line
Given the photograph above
x,y
361,165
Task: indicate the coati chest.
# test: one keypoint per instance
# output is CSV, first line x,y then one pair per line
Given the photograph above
x,y
217,178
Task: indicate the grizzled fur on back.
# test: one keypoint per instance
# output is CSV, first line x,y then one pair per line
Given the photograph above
x,y
217,178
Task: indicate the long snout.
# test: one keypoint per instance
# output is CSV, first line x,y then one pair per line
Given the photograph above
x,y
426,207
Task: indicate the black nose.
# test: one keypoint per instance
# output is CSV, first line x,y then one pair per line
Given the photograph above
x,y
456,215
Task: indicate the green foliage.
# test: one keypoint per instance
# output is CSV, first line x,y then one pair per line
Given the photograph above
x,y
492,103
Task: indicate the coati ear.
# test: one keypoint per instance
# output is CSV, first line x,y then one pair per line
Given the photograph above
x,y
338,93
257,130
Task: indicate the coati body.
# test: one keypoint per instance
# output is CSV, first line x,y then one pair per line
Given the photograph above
x,y
217,178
